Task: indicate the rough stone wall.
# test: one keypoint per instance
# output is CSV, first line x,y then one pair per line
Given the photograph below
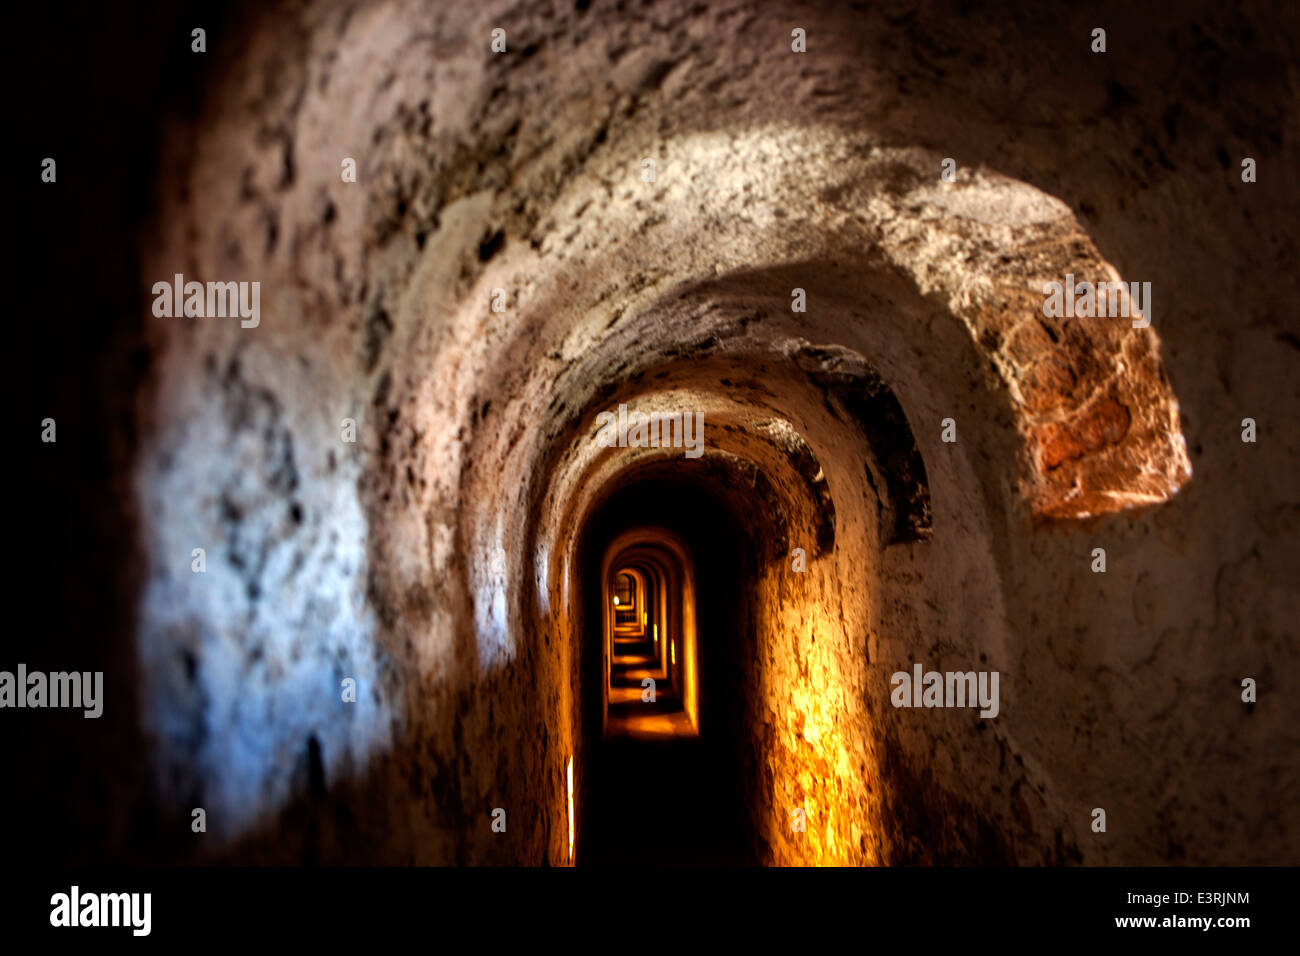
x,y
432,560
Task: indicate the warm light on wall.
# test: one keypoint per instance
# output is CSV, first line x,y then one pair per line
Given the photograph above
x,y
672,652
656,627
570,776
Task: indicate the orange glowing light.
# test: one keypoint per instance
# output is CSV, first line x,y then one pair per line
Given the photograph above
x,y
569,773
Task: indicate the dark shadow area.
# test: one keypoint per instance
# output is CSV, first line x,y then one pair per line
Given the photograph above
x,y
99,85
677,801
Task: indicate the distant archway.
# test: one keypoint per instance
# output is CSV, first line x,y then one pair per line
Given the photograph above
x,y
656,642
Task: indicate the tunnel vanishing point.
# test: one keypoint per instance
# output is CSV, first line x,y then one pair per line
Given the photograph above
x,y
656,443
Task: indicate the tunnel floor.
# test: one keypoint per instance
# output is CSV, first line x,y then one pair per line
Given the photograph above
x,y
630,716
659,794
662,802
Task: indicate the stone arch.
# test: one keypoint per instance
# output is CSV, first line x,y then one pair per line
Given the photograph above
x,y
466,482
1095,420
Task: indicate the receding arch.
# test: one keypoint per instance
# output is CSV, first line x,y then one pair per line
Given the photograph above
x,y
472,473
667,558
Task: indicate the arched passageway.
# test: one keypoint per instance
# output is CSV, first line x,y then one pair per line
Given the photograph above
x,y
885,451
666,777
650,638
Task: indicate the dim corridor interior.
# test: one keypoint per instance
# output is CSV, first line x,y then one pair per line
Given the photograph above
x,y
349,573
659,794
662,791
664,775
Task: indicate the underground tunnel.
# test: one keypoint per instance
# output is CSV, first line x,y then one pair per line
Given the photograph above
x,y
626,409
